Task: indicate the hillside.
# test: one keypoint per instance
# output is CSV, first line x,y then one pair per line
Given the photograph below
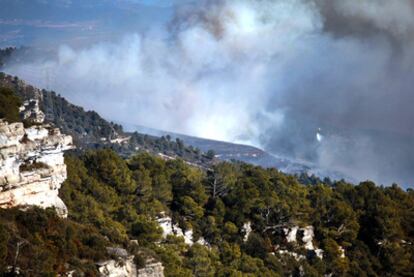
x,y
147,215
90,131
227,151
235,220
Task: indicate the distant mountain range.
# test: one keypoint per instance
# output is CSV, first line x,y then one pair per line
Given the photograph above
x,y
43,22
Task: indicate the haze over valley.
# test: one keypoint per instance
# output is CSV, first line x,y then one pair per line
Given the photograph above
x,y
326,83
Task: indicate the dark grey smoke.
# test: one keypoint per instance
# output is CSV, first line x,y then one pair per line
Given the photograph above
x,y
267,72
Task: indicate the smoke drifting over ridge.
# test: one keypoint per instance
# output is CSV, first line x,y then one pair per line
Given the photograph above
x,y
265,72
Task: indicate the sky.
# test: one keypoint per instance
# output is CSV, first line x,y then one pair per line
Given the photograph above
x,y
326,82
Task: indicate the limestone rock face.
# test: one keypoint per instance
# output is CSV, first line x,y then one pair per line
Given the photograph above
x,y
307,235
127,268
118,268
124,266
151,270
32,167
247,229
169,228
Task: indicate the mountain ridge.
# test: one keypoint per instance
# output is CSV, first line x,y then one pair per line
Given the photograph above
x,y
229,151
90,131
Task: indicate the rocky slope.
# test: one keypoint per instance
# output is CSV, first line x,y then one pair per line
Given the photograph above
x,y
32,166
32,170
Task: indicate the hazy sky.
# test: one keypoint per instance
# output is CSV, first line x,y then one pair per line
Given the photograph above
x,y
265,72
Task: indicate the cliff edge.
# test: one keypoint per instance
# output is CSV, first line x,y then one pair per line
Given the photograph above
x,y
32,166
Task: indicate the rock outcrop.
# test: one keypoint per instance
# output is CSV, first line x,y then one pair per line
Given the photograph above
x,y
32,167
169,228
307,235
127,268
247,229
124,266
118,268
152,270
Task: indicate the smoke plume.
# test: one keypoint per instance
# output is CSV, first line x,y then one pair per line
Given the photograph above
x,y
265,72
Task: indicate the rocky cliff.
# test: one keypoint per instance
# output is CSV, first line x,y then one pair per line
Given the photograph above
x,y
32,167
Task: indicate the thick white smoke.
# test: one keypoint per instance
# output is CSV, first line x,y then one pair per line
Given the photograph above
x,y
265,72
211,79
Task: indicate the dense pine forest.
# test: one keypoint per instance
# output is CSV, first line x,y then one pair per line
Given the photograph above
x,y
113,201
373,225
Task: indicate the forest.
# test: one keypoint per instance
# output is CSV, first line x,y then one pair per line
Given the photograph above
x,y
113,201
